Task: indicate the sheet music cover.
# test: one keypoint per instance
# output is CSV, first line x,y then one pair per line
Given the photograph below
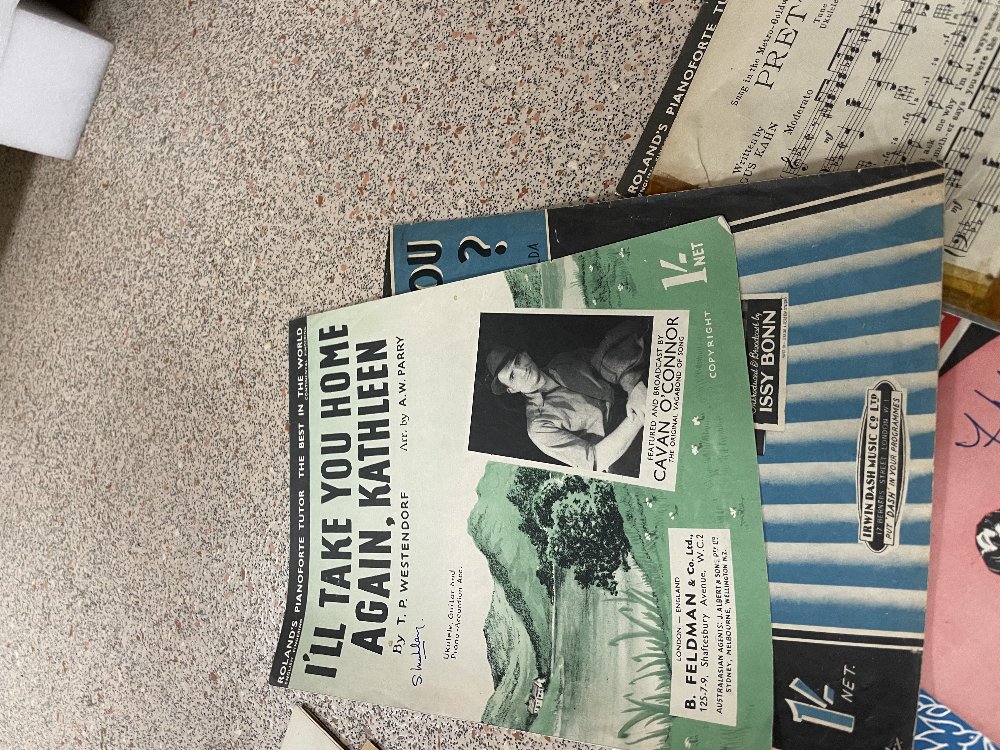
x,y
650,143
940,728
962,665
787,89
857,258
540,512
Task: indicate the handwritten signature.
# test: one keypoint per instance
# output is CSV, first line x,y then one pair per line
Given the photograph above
x,y
980,431
418,649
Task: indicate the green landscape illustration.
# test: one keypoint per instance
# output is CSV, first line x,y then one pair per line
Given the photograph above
x,y
578,633
601,280
578,628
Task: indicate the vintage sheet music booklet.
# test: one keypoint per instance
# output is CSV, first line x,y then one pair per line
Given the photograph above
x,y
841,282
533,500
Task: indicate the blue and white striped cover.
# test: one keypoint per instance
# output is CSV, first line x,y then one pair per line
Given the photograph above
x,y
864,292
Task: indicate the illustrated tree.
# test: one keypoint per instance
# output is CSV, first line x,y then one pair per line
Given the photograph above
x,y
574,524
588,536
527,481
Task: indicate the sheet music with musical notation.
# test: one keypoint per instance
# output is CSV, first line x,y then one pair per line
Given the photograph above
x,y
792,88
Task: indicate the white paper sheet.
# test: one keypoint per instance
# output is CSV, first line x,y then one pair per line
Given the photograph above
x,y
305,732
791,88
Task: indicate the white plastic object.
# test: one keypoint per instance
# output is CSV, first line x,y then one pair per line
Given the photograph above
x,y
51,68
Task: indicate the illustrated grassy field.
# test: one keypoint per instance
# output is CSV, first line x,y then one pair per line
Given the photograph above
x,y
592,648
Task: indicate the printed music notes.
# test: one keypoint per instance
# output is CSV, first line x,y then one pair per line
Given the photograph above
x,y
974,213
859,107
842,65
867,83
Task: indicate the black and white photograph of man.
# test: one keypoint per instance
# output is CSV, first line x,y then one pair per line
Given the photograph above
x,y
564,389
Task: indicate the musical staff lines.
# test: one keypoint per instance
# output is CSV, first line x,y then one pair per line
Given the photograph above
x,y
851,54
924,116
956,107
967,138
844,60
901,82
958,156
974,212
860,108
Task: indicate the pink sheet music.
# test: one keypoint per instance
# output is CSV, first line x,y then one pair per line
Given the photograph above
x,y
961,665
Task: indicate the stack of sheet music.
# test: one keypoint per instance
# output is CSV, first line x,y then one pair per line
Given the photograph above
x,y
659,472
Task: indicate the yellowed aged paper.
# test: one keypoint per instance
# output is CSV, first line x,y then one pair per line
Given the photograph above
x,y
796,88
